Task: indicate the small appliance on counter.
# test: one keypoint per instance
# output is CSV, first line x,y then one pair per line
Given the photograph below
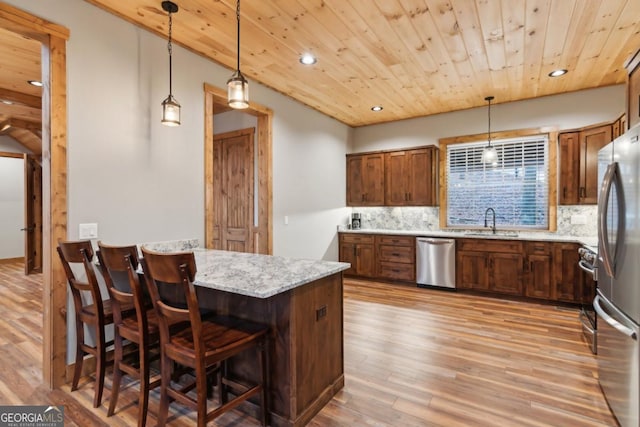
x,y
355,221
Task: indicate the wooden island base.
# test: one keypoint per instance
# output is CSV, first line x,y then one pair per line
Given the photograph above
x,y
306,345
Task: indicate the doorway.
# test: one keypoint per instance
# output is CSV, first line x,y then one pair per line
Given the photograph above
x,y
53,39
261,239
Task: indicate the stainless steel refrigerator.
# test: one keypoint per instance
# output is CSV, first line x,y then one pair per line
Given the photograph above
x,y
617,301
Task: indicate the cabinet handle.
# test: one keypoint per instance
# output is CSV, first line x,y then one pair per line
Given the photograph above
x,y
564,192
530,265
583,192
355,251
395,254
524,265
363,197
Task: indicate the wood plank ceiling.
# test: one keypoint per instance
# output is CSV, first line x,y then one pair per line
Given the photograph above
x,y
413,57
20,102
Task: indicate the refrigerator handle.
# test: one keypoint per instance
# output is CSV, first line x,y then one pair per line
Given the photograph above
x,y
611,178
611,321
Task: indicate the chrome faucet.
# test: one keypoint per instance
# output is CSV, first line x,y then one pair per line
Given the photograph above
x,y
493,226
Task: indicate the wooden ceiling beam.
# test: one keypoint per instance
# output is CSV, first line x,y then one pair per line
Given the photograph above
x,y
13,123
20,98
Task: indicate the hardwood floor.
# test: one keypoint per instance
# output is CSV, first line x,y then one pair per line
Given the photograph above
x,y
413,357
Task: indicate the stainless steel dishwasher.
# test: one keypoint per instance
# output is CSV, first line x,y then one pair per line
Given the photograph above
x,y
436,262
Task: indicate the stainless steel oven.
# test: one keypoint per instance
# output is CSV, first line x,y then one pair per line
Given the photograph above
x,y
588,318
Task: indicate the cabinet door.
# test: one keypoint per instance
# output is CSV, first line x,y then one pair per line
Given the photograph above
x,y
472,270
365,180
355,180
568,276
396,179
591,141
539,283
633,92
421,177
569,167
506,273
365,260
348,254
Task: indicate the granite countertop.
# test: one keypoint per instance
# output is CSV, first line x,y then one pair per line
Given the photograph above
x,y
501,235
260,276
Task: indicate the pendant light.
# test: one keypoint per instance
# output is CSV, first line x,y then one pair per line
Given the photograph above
x,y
489,153
170,107
237,86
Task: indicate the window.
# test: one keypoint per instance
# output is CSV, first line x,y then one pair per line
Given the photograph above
x,y
517,188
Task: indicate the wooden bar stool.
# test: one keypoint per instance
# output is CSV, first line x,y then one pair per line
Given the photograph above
x,y
204,345
138,326
96,313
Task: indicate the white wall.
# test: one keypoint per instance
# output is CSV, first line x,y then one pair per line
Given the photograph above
x,y
141,181
566,111
11,207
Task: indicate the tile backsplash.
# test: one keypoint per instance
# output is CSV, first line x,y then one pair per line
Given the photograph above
x,y
427,218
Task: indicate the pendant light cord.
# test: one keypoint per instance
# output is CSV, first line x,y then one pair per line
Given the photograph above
x,y
238,19
489,98
170,49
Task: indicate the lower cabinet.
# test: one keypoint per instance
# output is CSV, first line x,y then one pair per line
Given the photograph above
x,y
539,270
533,269
358,250
396,258
489,265
383,257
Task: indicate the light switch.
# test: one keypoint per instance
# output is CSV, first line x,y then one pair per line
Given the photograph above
x,y
286,220
88,231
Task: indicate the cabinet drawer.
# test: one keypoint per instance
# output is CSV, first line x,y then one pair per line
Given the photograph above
x,y
397,240
396,254
489,245
394,271
538,248
357,238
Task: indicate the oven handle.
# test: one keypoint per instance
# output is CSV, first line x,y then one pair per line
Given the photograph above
x,y
585,266
611,321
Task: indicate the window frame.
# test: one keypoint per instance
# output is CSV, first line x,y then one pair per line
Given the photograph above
x,y
551,134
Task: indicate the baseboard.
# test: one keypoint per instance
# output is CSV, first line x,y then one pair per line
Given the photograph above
x,y
11,260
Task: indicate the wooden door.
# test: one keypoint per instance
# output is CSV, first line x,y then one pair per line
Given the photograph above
x,y
234,191
591,141
32,215
569,167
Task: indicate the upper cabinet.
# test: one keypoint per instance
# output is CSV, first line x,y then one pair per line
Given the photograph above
x,y
579,164
393,178
410,178
633,90
365,179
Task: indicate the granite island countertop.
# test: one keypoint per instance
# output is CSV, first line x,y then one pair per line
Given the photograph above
x,y
475,234
260,276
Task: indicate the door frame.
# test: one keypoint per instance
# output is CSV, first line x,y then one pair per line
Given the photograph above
x,y
54,181
216,100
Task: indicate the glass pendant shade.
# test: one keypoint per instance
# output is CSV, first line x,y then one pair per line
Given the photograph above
x,y
238,91
170,112
490,155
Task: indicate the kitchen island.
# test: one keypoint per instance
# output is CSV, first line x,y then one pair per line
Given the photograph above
x,y
301,301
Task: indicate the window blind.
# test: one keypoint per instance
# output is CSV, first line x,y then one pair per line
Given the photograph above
x,y
517,187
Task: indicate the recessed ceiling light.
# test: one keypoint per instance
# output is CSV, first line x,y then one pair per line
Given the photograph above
x,y
5,101
35,83
308,59
376,108
558,73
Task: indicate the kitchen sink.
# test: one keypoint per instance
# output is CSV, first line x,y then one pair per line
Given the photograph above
x,y
489,234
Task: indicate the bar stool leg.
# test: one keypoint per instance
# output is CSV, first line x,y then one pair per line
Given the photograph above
x,y
77,370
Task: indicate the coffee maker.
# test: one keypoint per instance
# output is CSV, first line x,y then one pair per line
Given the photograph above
x,y
355,221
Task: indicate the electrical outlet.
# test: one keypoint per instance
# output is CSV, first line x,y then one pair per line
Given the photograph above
x,y
88,231
578,219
